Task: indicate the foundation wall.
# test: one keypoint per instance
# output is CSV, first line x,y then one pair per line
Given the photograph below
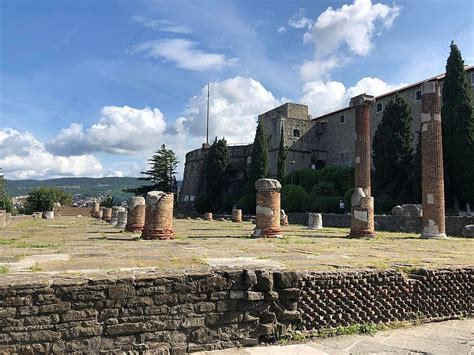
x,y
216,310
73,211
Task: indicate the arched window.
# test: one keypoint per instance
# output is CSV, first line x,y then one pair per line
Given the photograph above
x,y
296,133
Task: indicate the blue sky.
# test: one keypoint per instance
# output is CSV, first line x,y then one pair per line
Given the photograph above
x,y
92,88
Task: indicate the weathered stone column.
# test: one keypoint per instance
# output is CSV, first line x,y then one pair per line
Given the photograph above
x,y
158,216
315,221
432,178
236,215
95,209
267,224
362,219
208,216
136,215
114,217
106,214
121,218
101,213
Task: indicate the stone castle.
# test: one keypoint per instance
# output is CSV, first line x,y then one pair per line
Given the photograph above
x,y
311,142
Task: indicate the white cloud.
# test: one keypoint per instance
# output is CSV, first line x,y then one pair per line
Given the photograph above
x,y
281,29
184,53
341,33
299,20
162,25
324,97
24,157
119,130
234,106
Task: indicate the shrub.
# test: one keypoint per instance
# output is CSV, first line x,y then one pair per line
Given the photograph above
x,y
383,205
293,178
308,178
341,176
324,188
247,204
347,198
6,203
324,204
291,198
42,199
201,204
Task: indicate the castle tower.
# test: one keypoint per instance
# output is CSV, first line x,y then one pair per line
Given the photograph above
x,y
432,178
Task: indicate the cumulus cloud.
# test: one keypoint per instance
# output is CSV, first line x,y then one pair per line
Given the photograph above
x,y
299,20
119,130
343,32
234,106
281,29
24,157
324,97
162,25
184,53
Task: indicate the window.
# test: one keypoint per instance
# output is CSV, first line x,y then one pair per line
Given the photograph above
x,y
191,198
296,133
249,159
342,119
380,107
472,78
312,166
186,198
418,95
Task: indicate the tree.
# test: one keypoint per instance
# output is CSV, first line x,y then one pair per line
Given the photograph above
x,y
42,198
259,166
216,174
162,173
458,130
107,201
392,151
281,173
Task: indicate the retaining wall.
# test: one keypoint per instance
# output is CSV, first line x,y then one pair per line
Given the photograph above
x,y
6,219
454,224
73,211
216,310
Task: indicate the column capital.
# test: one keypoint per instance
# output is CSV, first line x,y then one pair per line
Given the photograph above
x,y
361,99
429,87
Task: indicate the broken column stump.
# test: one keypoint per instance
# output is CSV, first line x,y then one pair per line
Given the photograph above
x,y
158,216
136,215
267,223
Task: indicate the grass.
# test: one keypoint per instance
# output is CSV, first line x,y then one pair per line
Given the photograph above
x,y
4,270
37,245
35,268
7,241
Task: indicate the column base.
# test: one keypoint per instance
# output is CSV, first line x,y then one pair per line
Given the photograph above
x,y
133,228
267,233
162,234
361,234
428,235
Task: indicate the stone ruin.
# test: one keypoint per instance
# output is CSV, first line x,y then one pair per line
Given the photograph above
x,y
267,223
158,216
136,215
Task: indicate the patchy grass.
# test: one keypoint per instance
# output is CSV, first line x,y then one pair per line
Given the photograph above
x,y
4,270
35,268
7,241
37,245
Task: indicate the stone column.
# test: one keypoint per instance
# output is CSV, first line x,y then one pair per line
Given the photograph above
x,y
236,215
208,216
267,224
315,221
121,218
136,215
432,178
362,216
95,209
106,214
101,213
158,216
114,217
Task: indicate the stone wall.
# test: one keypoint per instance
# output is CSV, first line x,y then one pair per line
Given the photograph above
x,y
73,211
454,224
218,310
6,219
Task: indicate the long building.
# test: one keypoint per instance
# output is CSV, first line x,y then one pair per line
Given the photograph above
x,y
311,142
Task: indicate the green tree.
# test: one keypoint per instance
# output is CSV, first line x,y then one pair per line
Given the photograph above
x,y
107,201
458,131
393,155
161,174
216,176
281,173
42,198
6,203
259,166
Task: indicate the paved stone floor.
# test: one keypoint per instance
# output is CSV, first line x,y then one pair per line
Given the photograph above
x,y
449,337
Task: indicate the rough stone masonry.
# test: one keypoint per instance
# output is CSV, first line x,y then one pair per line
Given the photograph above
x,y
267,223
155,313
432,178
136,215
362,204
158,216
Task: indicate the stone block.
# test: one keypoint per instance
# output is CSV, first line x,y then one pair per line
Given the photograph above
x,y
286,279
264,280
468,231
253,296
121,291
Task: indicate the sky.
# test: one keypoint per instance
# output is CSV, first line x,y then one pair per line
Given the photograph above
x,y
93,88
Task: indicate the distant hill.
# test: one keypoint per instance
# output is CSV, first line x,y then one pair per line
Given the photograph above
x,y
80,187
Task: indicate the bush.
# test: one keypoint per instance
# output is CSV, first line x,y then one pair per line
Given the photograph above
x,y
347,198
247,204
292,197
229,201
324,204
324,188
201,204
293,178
42,199
308,178
383,205
6,204
342,177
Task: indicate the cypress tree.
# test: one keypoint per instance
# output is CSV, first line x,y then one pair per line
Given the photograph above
x,y
393,155
259,166
216,177
281,173
458,130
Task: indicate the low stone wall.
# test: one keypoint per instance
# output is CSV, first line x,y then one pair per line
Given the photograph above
x,y
216,310
6,219
454,224
73,211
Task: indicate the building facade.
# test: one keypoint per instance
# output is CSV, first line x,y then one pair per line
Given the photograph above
x,y
311,142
